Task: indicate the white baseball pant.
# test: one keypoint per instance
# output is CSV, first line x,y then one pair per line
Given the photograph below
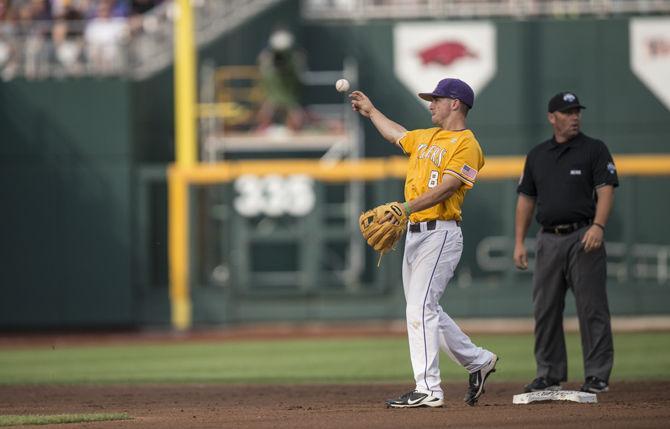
x,y
428,264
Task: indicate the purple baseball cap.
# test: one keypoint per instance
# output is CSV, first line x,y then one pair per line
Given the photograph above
x,y
451,88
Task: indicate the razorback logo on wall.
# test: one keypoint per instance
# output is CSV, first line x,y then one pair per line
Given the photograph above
x,y
425,53
445,53
650,54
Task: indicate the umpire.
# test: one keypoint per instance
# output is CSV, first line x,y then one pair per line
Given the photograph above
x,y
570,179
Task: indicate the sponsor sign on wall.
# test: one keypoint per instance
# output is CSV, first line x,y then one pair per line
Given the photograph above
x,y
650,54
425,53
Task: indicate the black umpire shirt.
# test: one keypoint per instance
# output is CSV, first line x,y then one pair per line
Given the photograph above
x,y
563,177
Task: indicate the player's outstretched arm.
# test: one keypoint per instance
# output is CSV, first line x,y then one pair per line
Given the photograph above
x,y
391,131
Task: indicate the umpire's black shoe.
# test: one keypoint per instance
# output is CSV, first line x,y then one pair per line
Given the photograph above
x,y
477,381
595,385
415,399
542,383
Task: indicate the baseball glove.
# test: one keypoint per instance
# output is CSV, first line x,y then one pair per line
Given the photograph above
x,y
383,226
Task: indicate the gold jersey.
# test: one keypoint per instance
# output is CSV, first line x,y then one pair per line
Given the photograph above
x,y
434,152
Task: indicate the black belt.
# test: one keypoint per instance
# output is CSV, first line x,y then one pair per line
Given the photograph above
x,y
416,227
566,228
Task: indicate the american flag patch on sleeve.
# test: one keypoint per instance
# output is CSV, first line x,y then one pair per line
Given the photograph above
x,y
469,172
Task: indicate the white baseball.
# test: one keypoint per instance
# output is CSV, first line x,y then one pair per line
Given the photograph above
x,y
342,85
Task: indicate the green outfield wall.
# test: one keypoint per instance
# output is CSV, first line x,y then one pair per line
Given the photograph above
x,y
66,180
83,237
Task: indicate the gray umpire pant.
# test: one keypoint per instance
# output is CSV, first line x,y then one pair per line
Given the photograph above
x,y
561,263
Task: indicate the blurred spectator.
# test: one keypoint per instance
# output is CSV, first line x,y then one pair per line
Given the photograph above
x,y
117,8
4,10
280,66
40,37
138,7
58,7
9,54
67,35
8,63
84,7
40,10
33,25
120,8
104,36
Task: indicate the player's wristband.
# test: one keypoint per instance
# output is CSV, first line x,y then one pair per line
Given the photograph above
x,y
599,226
407,209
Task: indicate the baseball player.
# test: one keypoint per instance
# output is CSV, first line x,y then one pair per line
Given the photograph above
x,y
443,165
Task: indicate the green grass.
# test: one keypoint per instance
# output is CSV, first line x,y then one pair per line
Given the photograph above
x,y
637,356
59,418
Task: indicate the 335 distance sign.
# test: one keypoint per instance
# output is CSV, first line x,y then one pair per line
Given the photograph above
x,y
274,195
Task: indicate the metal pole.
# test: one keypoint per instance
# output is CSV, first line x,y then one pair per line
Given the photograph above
x,y
185,156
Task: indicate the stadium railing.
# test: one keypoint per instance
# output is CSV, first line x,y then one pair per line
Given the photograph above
x,y
407,9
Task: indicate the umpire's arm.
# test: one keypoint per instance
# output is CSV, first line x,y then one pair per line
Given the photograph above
x,y
594,236
525,206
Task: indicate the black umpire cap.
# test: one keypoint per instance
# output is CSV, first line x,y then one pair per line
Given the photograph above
x,y
564,101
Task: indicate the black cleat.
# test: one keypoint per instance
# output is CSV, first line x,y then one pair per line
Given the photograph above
x,y
542,383
594,385
415,399
477,381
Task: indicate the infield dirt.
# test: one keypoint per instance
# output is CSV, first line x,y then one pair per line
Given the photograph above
x,y
627,405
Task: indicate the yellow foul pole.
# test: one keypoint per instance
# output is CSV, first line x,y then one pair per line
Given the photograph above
x,y
185,154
